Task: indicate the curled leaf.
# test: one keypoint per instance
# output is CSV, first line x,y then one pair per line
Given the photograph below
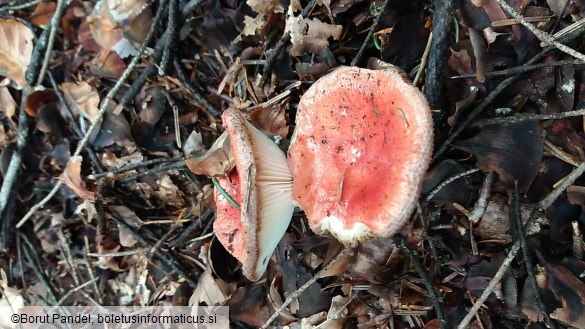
x,y
217,161
82,98
72,178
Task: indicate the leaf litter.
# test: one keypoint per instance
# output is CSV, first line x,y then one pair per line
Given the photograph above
x,y
219,53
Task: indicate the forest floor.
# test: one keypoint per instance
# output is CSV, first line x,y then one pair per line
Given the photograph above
x,y
103,102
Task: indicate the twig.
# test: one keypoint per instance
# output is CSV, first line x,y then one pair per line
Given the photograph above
x,y
281,45
175,165
27,250
13,168
435,74
203,237
186,233
53,26
134,166
194,90
171,37
295,294
542,36
374,27
120,253
163,238
167,259
520,117
490,287
449,181
519,69
69,293
25,5
482,202
103,108
435,299
537,211
423,61
516,223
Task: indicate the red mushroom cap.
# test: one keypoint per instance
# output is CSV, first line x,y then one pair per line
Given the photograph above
x,y
261,184
361,146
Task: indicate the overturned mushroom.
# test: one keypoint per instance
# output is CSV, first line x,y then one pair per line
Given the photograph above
x,y
359,151
261,188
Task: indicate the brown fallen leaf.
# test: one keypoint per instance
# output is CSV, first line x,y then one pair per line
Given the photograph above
x,y
82,98
514,151
43,13
217,161
309,35
72,178
211,291
15,50
7,103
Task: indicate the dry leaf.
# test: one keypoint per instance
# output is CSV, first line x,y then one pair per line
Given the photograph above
x,y
126,238
210,291
43,13
116,24
11,297
15,50
7,103
271,120
107,64
127,215
309,35
265,9
216,162
82,98
72,178
460,62
194,144
169,193
39,98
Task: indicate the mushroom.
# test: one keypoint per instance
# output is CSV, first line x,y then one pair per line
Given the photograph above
x,y
361,146
261,186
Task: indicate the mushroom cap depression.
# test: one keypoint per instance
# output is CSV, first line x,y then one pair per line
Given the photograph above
x,y
261,184
362,143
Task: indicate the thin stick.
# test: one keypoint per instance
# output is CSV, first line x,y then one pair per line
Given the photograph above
x,y
520,117
120,253
304,287
103,108
167,167
435,70
423,61
516,223
519,69
55,20
134,166
20,7
432,293
449,181
69,293
13,168
542,36
374,27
